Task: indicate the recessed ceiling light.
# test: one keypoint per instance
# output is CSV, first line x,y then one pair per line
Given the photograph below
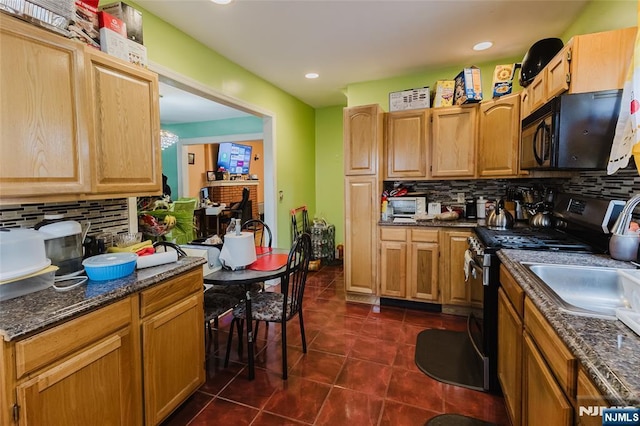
x,y
222,1
312,75
483,45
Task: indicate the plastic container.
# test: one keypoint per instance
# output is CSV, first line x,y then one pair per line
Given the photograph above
x,y
630,280
481,208
110,266
30,284
22,252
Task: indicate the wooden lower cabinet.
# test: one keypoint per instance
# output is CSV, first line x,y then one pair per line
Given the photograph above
x,y
81,371
455,290
510,356
131,362
409,263
543,399
173,360
589,402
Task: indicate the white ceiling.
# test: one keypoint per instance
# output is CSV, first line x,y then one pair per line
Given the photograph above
x,y
349,41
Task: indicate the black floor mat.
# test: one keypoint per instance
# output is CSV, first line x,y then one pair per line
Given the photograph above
x,y
456,420
449,356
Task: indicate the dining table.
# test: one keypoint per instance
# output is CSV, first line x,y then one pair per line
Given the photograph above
x,y
271,264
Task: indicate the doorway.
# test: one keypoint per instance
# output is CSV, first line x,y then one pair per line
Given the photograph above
x,y
203,93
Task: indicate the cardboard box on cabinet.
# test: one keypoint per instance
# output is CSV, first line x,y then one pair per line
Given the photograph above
x,y
503,79
130,16
443,94
113,36
409,99
468,86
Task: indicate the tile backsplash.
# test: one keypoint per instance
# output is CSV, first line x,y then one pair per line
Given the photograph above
x,y
104,215
621,185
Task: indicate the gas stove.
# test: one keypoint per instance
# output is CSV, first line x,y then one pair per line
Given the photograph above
x,y
531,239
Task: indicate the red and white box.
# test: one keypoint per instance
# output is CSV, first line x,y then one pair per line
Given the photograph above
x,y
113,36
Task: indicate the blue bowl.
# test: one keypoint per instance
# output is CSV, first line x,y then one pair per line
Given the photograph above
x,y
110,266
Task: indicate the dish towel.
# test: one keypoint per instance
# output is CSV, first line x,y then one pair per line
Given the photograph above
x,y
627,136
468,259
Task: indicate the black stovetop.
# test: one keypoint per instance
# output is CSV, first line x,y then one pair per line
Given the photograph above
x,y
526,238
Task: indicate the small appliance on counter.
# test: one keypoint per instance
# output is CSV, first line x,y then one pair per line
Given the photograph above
x,y
407,206
63,243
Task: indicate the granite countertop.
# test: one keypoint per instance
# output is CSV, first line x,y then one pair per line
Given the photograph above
x,y
460,223
42,309
608,350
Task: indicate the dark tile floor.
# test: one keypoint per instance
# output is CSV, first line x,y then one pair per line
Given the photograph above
x,y
359,370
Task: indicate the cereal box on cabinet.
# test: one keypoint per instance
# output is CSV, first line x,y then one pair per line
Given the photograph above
x,y
468,86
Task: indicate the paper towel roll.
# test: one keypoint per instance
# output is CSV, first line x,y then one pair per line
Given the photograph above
x,y
157,259
238,251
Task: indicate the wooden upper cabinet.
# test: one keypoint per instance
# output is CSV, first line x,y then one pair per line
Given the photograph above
x,y
587,63
43,107
453,148
362,139
499,137
126,126
406,144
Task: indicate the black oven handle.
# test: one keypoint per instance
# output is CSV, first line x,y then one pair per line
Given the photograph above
x,y
539,140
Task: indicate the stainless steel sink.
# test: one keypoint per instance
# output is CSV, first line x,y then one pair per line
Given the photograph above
x,y
581,290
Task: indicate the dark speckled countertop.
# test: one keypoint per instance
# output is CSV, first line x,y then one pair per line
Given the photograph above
x,y
460,223
42,309
608,350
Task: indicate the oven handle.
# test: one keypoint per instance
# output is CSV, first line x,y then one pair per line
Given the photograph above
x,y
475,269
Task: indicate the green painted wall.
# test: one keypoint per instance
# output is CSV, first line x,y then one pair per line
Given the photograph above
x,y
329,169
294,120
230,126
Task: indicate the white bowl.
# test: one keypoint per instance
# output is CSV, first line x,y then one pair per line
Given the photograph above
x,y
22,253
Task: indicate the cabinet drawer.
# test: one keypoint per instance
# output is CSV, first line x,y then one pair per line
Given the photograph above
x,y
171,291
51,345
393,234
424,235
559,358
513,290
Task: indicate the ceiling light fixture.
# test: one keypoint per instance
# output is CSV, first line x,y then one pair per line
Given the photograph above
x,y
167,139
483,45
222,1
312,75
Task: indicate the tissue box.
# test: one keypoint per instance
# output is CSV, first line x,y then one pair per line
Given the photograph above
x,y
503,79
468,86
113,34
409,99
443,95
130,16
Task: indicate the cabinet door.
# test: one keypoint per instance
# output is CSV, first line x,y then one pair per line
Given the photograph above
x,y
454,134
362,136
457,290
538,91
542,397
587,397
173,357
126,127
499,140
525,104
423,269
558,77
393,269
362,207
510,356
92,384
406,144
43,110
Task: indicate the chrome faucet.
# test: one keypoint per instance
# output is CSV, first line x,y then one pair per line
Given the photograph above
x,y
624,220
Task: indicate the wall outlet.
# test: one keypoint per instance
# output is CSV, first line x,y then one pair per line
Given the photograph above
x,y
461,197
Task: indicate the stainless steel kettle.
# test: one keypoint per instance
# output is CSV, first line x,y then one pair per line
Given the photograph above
x,y
543,218
500,218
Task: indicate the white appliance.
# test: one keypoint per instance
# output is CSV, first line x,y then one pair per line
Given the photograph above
x,y
408,206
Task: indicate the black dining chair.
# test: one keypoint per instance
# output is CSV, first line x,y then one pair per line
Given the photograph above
x,y
215,305
237,210
283,306
261,232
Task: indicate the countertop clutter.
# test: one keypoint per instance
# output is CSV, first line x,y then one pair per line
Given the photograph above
x,y
42,309
607,349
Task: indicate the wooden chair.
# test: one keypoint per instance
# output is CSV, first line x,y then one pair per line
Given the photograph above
x,y
280,307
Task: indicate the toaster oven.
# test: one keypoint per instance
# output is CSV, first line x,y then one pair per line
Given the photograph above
x,y
408,206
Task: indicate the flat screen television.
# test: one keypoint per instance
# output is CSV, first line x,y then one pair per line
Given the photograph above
x,y
234,157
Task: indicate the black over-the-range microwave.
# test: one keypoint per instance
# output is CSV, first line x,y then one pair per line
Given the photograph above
x,y
572,131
